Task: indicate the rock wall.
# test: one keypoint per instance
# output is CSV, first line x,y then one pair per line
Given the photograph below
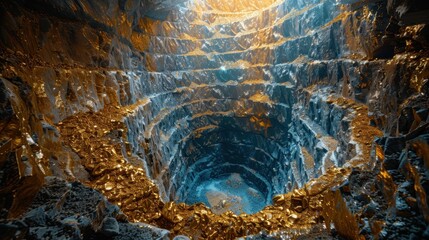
x,y
285,91
66,58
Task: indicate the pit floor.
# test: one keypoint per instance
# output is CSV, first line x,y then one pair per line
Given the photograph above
x,y
229,192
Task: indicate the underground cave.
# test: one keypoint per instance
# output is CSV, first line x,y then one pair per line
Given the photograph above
x,y
214,119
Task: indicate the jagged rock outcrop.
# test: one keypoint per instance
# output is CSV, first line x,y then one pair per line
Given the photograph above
x,y
58,211
147,101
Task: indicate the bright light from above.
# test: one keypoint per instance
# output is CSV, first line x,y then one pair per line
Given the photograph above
x,y
231,6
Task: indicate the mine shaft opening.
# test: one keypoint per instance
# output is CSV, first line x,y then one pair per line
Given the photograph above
x,y
227,158
217,121
231,170
214,119
236,165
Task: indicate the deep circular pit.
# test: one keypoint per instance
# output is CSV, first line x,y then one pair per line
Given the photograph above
x,y
235,168
229,153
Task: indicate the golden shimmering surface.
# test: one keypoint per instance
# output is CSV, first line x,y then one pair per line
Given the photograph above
x,y
99,139
226,6
362,132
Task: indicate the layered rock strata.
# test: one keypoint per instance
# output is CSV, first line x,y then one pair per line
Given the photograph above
x,y
147,101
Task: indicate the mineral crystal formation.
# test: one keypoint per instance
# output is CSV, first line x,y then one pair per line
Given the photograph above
x,y
214,119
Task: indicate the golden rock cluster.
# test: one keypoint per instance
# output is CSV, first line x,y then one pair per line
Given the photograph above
x,y
100,141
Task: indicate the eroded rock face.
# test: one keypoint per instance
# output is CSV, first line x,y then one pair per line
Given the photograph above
x,y
156,103
58,211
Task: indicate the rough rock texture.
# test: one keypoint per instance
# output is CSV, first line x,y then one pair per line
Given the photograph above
x,y
62,210
146,101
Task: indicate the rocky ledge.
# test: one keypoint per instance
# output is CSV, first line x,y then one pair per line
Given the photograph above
x,y
316,109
